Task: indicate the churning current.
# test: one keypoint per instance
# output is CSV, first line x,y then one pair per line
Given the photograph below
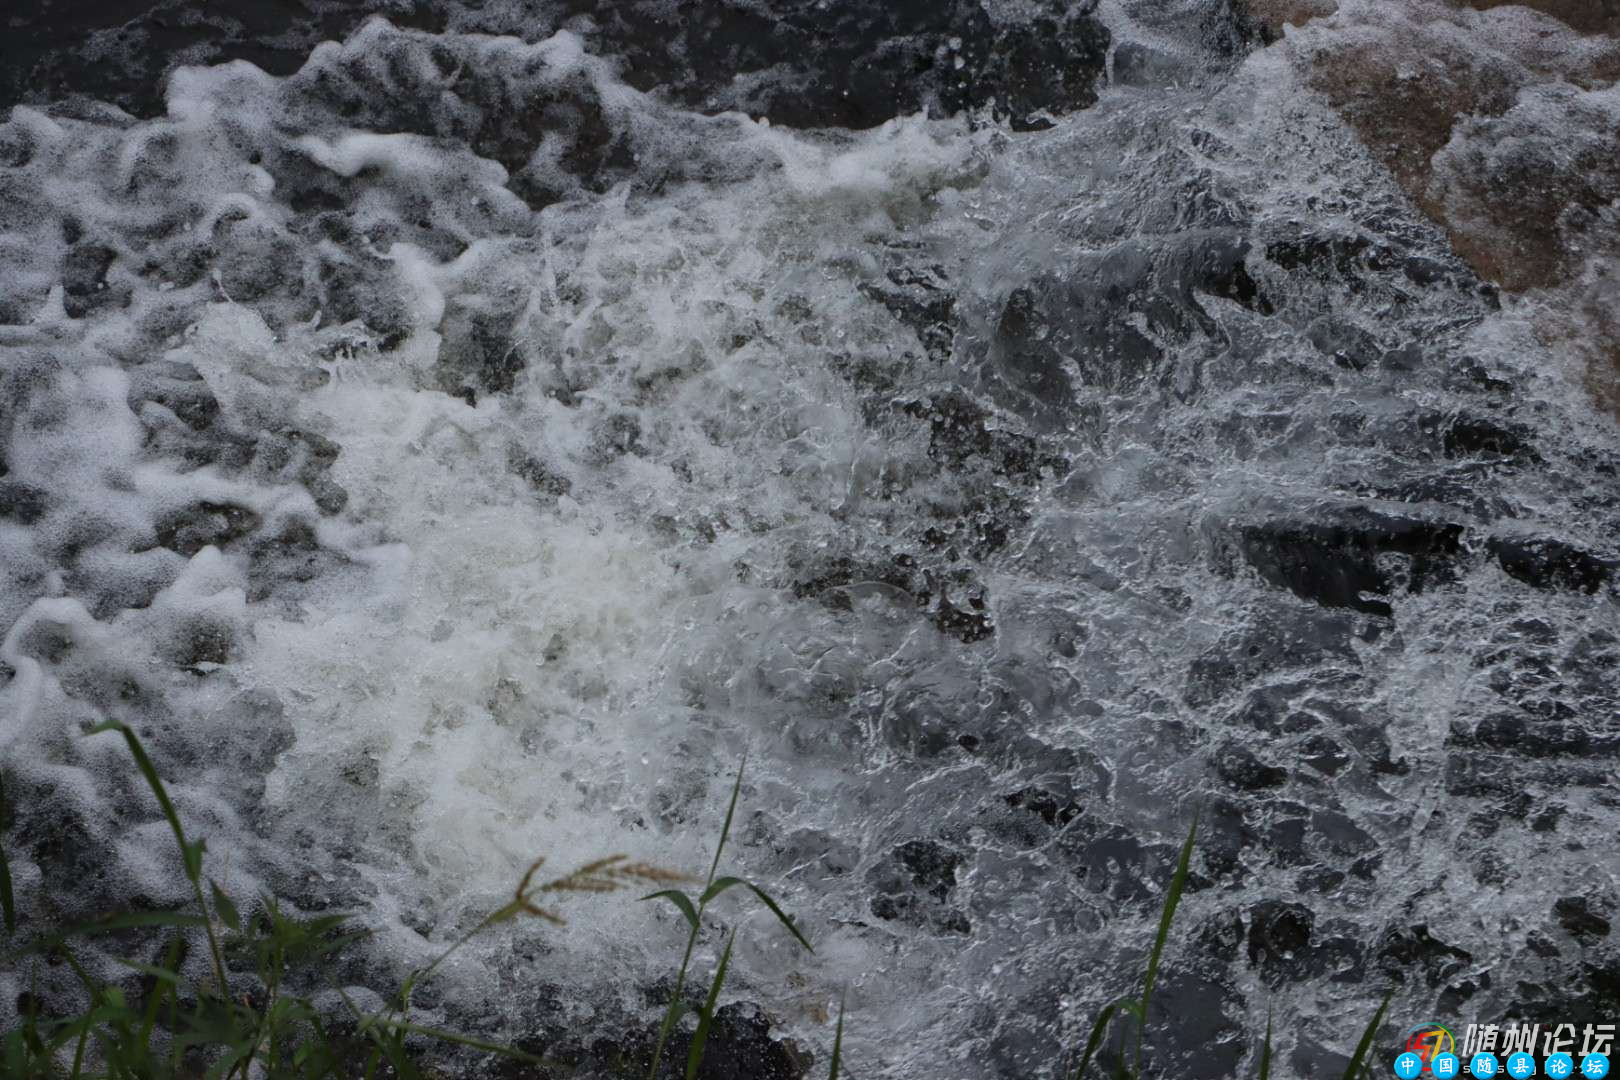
x,y
1013,427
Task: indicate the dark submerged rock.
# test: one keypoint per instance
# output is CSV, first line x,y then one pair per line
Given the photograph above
x,y
1548,563
914,884
852,64
201,524
1341,559
1238,766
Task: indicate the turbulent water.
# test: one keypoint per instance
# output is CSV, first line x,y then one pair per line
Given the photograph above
x,y
1012,428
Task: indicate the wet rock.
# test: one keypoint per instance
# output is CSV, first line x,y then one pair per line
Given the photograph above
x,y
1338,835
950,598
1273,15
1468,487
1481,775
1324,755
1348,346
1534,736
1238,766
1512,190
1546,563
1581,917
178,388
967,621
256,260
1402,99
22,503
614,436
1218,266
1193,1032
1279,932
961,430
363,292
1402,950
1030,344
84,279
202,524
478,354
292,557
1049,65
1587,16
849,64
204,645
1461,106
1350,257
1054,330
923,300
914,883
1033,816
1139,64
1050,807
1587,994
1342,559
69,847
1469,435
740,1047
536,474
310,462
1276,641
1112,862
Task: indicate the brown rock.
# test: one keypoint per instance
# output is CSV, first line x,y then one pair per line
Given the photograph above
x,y
1587,16
1502,122
1523,194
1273,15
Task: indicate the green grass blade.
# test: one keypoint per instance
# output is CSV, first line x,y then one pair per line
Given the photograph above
x,y
224,908
127,921
1098,1030
682,902
838,1038
720,885
1172,900
695,921
191,852
731,810
694,1057
8,905
673,1013
469,1041
172,959
1367,1038
390,1048
161,974
1265,1050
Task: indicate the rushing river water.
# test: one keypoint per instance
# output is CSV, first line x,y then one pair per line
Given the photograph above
x,y
1013,427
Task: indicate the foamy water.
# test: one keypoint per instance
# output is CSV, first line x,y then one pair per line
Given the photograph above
x,y
449,455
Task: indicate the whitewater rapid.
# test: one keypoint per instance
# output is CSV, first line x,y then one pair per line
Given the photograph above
x,y
450,454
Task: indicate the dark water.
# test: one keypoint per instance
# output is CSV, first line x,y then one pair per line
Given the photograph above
x,y
1016,426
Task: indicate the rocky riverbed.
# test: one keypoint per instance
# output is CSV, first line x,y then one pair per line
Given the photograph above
x,y
460,435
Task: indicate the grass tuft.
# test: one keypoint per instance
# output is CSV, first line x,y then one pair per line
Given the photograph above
x,y
179,1026
693,912
8,904
1357,1067
1137,1008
